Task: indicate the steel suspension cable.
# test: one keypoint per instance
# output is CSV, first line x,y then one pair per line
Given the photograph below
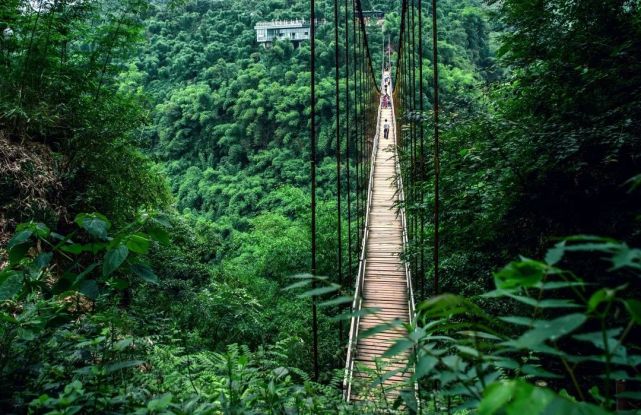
x,y
414,188
339,219
357,102
363,154
347,143
437,161
312,159
421,107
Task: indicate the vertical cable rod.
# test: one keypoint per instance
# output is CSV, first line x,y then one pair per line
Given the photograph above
x,y
421,107
312,159
347,144
437,148
339,230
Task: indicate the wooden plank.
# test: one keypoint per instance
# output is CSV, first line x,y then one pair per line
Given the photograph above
x,y
385,279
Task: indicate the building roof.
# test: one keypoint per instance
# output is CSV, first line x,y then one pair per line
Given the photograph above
x,y
282,24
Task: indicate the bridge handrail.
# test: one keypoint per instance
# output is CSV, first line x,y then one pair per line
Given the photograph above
x,y
360,277
408,272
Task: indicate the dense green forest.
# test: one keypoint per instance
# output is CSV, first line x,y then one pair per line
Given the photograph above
x,y
155,222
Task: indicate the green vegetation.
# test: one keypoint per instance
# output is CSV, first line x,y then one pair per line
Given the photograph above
x,y
191,140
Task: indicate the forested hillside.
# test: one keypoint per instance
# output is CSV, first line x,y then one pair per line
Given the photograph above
x,y
155,208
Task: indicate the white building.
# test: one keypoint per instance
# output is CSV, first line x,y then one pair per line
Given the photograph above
x,y
294,30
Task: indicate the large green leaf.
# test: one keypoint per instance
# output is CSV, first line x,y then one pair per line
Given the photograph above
x,y
597,338
555,254
447,305
138,243
114,259
159,234
546,303
18,246
39,229
336,301
316,292
521,321
548,330
89,288
95,224
626,257
424,366
145,272
600,296
524,273
634,308
19,238
41,261
556,285
10,284
299,284
84,273
516,397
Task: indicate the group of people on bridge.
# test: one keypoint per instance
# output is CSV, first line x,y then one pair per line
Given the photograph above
x,y
387,102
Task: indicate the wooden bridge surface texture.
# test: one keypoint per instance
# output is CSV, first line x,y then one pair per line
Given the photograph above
x,y
385,284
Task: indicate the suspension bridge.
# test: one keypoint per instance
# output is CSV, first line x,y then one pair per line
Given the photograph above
x,y
383,282
388,171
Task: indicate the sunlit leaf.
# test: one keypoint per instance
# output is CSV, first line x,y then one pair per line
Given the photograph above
x,y
298,284
634,309
138,243
336,301
524,273
316,292
555,254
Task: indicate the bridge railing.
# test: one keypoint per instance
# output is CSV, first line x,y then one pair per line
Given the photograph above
x,y
357,302
408,272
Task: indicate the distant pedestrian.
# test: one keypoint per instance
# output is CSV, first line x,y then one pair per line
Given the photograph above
x,y
386,129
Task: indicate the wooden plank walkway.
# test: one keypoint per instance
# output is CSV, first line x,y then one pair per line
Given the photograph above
x,y
385,279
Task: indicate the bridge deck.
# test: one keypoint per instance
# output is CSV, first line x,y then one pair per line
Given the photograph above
x,y
385,280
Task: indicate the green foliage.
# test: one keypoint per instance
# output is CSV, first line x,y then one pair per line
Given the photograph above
x,y
63,301
126,317
59,87
571,333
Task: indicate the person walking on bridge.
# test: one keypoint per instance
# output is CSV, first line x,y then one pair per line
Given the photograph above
x,y
386,129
